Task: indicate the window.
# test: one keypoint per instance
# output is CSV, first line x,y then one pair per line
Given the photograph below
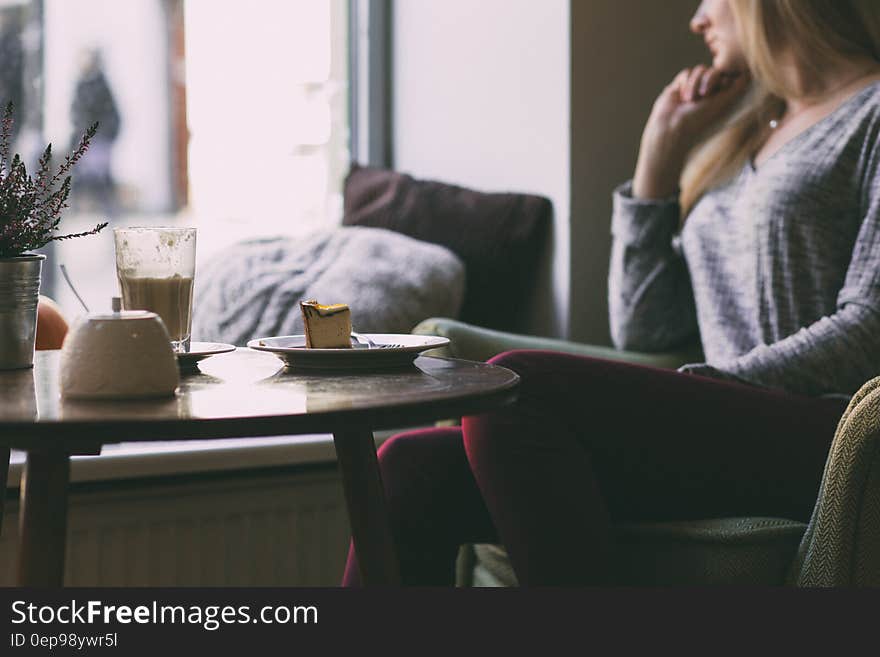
x,y
226,115
267,112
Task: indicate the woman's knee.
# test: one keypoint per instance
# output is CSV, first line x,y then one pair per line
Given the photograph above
x,y
421,471
551,368
393,449
522,360
417,454
418,445
553,396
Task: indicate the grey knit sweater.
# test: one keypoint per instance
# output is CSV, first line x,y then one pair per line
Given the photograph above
x,y
777,271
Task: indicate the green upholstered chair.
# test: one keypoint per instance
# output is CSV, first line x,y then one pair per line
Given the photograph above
x,y
839,547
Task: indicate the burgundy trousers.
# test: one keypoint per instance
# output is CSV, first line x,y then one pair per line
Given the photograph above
x,y
589,443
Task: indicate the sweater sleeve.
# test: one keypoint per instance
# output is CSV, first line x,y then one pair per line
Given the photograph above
x,y
650,299
839,352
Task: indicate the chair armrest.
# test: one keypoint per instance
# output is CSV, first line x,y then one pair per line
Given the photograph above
x,y
841,546
480,344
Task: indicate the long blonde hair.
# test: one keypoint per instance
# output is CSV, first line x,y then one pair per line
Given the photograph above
x,y
819,33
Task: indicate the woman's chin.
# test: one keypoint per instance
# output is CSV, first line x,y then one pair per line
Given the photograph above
x,y
728,66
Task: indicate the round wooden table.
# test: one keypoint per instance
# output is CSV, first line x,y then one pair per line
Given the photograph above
x,y
240,394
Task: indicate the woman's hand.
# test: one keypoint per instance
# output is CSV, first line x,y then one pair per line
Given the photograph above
x,y
690,104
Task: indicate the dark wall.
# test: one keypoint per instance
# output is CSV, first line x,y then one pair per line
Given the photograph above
x,y
623,52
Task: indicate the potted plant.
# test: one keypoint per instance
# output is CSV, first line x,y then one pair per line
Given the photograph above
x,y
30,212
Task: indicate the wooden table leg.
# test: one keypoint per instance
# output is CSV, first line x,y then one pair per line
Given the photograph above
x,y
367,512
4,475
43,519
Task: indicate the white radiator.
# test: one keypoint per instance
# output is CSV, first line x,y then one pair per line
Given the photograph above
x,y
260,529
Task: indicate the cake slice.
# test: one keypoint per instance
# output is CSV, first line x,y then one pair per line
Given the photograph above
x,y
327,327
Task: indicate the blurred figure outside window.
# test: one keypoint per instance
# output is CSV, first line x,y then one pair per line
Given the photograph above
x,y
93,101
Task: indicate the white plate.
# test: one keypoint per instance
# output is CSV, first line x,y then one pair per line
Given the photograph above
x,y
200,350
292,350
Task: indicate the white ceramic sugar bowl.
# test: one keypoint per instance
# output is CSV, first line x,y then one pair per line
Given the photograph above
x,y
121,355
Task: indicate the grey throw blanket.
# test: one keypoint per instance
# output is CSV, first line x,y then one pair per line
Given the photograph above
x,y
390,281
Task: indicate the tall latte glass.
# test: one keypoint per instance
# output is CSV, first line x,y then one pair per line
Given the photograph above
x,y
156,268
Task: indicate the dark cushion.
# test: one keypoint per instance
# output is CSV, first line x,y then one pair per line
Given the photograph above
x,y
500,237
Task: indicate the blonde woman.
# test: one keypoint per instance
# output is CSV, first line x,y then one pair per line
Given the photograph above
x,y
752,224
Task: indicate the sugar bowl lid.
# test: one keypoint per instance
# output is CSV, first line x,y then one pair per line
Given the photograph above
x,y
118,313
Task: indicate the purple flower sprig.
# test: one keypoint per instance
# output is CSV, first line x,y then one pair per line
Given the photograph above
x,y
31,209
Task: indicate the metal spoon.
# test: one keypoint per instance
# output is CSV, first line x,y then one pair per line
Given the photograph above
x,y
72,289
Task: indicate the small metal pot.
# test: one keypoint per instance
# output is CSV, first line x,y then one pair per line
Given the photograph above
x,y
19,295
